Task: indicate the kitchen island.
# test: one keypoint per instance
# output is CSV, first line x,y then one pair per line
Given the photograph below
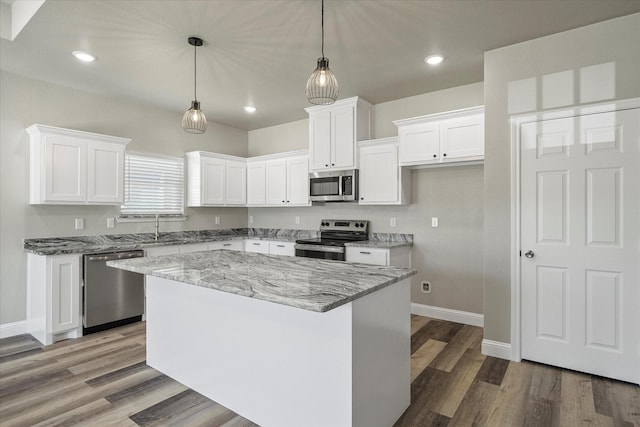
x,y
283,341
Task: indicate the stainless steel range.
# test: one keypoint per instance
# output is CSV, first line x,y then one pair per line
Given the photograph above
x,y
334,233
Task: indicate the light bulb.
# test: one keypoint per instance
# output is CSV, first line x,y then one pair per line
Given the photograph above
x,y
323,78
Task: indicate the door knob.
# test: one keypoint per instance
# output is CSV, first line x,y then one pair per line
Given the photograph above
x,y
529,254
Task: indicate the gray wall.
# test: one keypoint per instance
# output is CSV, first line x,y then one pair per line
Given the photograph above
x,y
24,102
450,256
514,79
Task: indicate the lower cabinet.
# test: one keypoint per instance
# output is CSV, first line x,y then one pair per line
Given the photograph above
x,y
282,248
253,245
397,257
193,247
231,245
53,296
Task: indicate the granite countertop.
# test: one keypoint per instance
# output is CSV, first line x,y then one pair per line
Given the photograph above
x,y
306,283
124,242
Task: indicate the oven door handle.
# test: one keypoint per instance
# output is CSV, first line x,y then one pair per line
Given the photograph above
x,y
319,248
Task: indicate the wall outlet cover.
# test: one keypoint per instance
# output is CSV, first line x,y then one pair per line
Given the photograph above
x,y
79,223
426,287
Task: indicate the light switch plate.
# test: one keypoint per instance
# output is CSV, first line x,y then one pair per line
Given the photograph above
x,y
434,221
392,222
217,219
111,222
250,219
297,220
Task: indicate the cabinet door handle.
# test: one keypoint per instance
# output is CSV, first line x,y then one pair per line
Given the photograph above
x,y
256,244
280,246
365,253
226,244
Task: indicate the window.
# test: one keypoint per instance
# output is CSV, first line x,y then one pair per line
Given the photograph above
x,y
153,185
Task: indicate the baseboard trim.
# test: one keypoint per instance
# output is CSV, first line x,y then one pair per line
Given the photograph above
x,y
12,329
501,350
465,317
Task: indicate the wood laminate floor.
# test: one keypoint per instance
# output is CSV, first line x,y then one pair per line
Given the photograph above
x,y
102,379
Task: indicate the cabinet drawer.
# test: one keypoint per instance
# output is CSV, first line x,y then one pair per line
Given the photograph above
x,y
282,248
260,246
162,250
195,247
231,245
367,256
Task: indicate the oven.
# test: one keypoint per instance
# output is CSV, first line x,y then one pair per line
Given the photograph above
x,y
334,234
336,186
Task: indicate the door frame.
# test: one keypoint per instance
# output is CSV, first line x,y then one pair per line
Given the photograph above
x,y
515,122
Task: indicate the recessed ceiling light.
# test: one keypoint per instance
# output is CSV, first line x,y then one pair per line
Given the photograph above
x,y
434,59
84,56
249,109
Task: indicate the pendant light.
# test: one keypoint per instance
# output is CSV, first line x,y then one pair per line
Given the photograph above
x,y
322,86
194,120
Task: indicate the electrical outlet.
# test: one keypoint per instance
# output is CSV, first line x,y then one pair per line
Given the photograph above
x,y
392,222
79,223
297,220
434,221
250,219
111,222
217,219
426,287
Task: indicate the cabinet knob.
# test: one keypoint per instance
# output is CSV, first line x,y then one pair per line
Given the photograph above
x,y
287,201
333,164
361,198
444,155
283,201
326,165
434,156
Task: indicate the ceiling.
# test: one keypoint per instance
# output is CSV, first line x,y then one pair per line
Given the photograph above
x,y
261,52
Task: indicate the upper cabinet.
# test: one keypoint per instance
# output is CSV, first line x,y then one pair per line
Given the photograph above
x,y
333,132
382,181
75,168
215,180
278,180
444,138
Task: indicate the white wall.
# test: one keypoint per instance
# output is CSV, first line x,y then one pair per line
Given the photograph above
x,y
606,52
24,102
450,256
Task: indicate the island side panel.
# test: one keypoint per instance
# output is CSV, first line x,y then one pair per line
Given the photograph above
x,y
382,355
273,364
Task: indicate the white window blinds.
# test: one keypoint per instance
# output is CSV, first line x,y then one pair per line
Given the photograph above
x,y
153,185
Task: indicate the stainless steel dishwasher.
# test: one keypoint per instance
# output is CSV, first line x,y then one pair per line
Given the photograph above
x,y
111,297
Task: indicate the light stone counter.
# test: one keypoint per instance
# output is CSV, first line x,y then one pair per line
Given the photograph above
x,y
306,283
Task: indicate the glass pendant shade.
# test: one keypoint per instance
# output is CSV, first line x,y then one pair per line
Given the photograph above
x,y
194,120
322,86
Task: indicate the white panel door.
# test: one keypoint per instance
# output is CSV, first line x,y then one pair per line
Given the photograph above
x,y
298,181
462,138
379,174
320,140
343,137
65,177
256,184
105,173
276,178
236,183
65,292
419,143
213,181
580,243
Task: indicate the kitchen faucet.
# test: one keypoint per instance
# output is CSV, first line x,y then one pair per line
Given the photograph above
x,y
157,227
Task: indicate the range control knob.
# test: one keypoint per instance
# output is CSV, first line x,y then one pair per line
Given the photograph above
x,y
357,225
362,224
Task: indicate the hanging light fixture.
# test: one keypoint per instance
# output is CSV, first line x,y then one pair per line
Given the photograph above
x,y
322,86
194,120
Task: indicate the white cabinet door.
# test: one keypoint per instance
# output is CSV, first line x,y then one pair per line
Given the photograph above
x,y
276,178
320,140
419,143
65,292
379,174
213,181
105,173
282,248
236,183
193,247
261,246
298,181
256,184
65,169
231,245
162,250
367,255
343,138
462,138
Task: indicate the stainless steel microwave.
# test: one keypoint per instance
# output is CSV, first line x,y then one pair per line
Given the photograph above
x,y
335,186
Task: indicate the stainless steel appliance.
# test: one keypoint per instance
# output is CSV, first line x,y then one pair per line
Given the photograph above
x,y
112,297
334,233
336,186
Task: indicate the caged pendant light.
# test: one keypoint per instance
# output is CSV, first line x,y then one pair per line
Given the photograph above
x,y
322,86
194,120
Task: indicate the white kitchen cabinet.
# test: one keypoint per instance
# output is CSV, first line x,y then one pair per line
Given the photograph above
x,y
282,248
442,139
162,250
74,167
334,131
254,245
193,247
397,257
53,297
215,179
256,184
278,180
231,245
382,181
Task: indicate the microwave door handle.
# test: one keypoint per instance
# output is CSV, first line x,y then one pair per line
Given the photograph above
x,y
341,185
